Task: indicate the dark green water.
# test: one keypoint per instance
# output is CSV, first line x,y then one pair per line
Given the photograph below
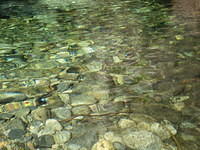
x,y
147,52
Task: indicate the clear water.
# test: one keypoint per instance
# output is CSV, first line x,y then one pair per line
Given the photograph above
x,y
147,52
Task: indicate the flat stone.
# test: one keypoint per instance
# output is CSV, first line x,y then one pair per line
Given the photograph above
x,y
16,134
40,114
103,144
6,116
16,124
126,123
61,137
142,140
81,110
51,126
45,141
22,112
61,113
7,97
64,98
82,99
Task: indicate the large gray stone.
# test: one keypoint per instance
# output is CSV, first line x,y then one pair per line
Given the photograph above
x,y
61,113
142,140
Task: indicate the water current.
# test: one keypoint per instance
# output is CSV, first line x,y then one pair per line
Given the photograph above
x,y
140,57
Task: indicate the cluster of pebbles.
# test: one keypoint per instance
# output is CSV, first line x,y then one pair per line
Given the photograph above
x,y
79,107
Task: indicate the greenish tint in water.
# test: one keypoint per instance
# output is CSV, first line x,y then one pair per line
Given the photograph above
x,y
128,51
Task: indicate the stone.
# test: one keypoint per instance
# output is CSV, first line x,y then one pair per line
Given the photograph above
x,y
61,113
21,113
40,114
64,98
16,134
94,66
164,130
16,124
126,123
142,140
51,126
45,141
7,97
82,99
35,126
64,86
61,137
80,110
103,144
6,116
112,137
119,146
73,147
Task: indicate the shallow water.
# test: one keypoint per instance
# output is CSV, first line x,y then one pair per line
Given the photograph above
x,y
141,53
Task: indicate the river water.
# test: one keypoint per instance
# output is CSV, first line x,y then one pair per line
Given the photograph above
x,y
139,53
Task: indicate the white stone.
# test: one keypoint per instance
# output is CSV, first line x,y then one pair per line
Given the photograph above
x,y
103,144
126,123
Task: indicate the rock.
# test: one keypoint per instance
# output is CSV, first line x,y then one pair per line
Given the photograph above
x,y
142,140
73,147
45,141
126,123
7,97
119,146
82,99
94,66
64,86
81,110
51,126
64,98
16,134
103,144
40,114
61,137
6,116
164,130
16,124
112,137
61,113
35,126
22,113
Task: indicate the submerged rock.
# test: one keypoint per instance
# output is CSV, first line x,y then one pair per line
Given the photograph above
x,y
16,134
61,113
61,137
51,126
142,140
103,144
45,141
6,97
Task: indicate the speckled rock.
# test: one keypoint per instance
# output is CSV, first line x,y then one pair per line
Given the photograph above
x,y
61,137
103,144
61,112
126,123
40,114
51,126
142,140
